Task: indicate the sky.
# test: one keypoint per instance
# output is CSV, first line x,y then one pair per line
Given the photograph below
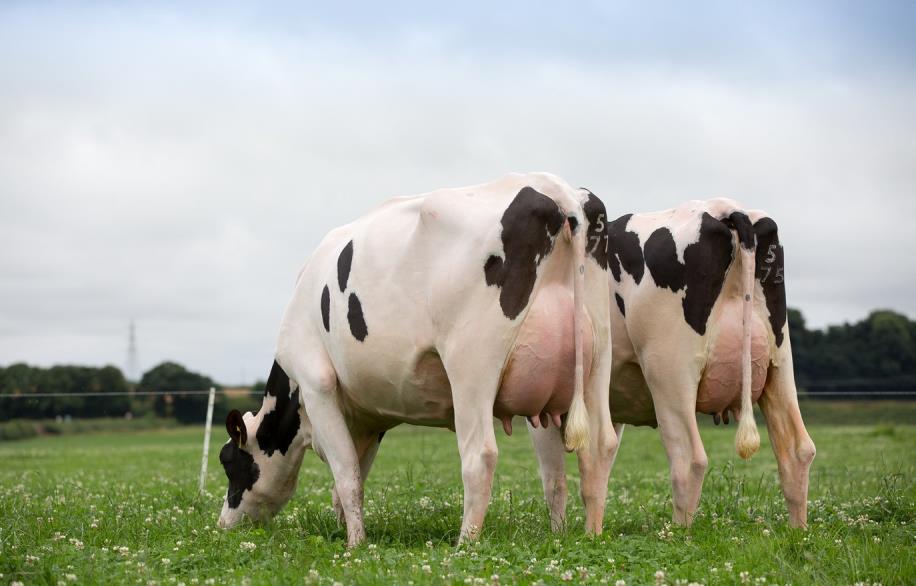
x,y
176,165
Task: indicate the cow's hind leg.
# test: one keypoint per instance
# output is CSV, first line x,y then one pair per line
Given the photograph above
x,y
474,385
791,443
675,409
551,454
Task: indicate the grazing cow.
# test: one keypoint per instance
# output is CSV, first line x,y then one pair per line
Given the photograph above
x,y
444,310
698,324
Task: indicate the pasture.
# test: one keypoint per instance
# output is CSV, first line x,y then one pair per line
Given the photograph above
x,y
123,508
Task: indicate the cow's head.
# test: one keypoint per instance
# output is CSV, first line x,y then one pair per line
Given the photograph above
x,y
263,455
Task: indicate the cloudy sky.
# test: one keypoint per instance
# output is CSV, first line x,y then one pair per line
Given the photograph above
x,y
176,165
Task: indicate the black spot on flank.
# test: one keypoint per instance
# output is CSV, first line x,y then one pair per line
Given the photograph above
x,y
623,250
596,244
702,273
343,265
241,471
707,261
620,305
529,226
573,223
770,264
326,308
279,427
739,222
661,257
356,319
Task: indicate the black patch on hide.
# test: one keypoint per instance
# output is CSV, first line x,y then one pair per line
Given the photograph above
x,y
707,261
356,319
279,427
661,257
620,305
770,267
623,250
326,308
702,273
241,471
343,265
529,227
596,239
740,223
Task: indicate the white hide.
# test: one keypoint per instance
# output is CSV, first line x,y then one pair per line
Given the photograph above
x,y
438,341
664,371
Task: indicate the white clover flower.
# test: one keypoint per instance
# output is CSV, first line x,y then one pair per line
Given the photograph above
x,y
745,577
165,561
248,546
766,532
620,583
70,577
566,576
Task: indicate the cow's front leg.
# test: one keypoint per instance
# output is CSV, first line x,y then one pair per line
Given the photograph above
x,y
366,448
551,454
791,443
332,437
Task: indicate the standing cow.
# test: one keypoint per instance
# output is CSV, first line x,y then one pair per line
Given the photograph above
x,y
698,324
444,310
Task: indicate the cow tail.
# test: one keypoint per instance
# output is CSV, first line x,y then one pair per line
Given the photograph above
x,y
747,439
577,423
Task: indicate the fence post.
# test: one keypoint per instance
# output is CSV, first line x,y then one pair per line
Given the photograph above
x,y
209,426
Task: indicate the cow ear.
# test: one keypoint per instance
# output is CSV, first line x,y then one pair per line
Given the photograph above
x,y
235,425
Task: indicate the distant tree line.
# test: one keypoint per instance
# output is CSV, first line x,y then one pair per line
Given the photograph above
x,y
22,379
875,354
872,355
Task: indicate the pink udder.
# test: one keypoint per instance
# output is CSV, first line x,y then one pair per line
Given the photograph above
x,y
720,387
540,376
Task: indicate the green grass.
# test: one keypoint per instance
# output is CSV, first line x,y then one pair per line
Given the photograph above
x,y
123,508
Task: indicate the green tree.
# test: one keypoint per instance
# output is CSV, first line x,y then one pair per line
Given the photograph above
x,y
875,354
171,376
24,380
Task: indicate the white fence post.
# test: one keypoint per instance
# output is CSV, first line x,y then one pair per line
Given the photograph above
x,y
203,460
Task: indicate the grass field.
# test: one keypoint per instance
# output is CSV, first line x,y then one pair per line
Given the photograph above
x,y
123,508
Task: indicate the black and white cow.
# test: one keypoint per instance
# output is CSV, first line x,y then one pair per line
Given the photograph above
x,y
698,324
444,310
